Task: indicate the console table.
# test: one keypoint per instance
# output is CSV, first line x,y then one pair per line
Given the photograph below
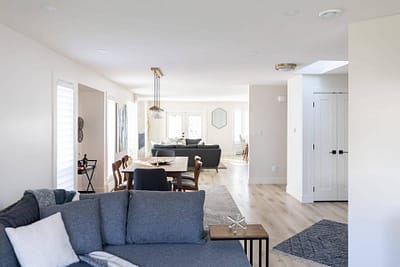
x,y
253,232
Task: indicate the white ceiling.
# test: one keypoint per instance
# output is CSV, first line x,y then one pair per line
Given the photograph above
x,y
207,48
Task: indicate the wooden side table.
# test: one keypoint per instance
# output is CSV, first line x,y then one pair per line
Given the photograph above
x,y
253,232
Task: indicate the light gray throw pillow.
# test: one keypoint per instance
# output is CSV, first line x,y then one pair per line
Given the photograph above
x,y
165,217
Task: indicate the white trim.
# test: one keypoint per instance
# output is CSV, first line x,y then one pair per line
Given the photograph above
x,y
267,180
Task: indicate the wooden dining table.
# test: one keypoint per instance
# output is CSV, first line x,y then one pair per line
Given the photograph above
x,y
173,166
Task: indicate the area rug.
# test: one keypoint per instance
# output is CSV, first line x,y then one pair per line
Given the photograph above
x,y
218,205
324,242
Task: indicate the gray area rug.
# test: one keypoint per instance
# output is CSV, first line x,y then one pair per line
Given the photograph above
x,y
324,242
218,205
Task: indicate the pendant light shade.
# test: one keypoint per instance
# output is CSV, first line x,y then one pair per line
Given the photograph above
x,y
155,111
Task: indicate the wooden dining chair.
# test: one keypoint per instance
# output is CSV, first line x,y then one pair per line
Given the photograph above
x,y
190,182
125,160
118,183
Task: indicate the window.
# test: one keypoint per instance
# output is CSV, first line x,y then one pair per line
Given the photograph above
x,y
111,134
65,136
184,125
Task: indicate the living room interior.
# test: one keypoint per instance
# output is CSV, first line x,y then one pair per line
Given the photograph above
x,y
220,84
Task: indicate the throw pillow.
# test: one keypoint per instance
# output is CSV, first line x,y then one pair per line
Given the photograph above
x,y
192,141
113,213
23,212
82,221
7,255
165,217
44,243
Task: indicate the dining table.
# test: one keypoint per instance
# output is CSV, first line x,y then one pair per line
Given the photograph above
x,y
173,166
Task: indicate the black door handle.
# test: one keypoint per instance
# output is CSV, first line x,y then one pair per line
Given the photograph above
x,y
333,152
342,152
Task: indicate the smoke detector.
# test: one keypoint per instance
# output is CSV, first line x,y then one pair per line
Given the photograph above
x,y
285,66
330,13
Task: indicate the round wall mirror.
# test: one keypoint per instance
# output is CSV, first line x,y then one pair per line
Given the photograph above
x,y
218,118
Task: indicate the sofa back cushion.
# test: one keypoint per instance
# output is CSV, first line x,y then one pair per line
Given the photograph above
x,y
192,141
113,213
82,221
23,212
7,255
165,217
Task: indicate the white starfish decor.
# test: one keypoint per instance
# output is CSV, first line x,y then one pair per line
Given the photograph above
x,y
237,222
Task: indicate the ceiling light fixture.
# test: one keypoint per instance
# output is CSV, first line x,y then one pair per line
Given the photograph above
x,y
285,66
156,112
330,13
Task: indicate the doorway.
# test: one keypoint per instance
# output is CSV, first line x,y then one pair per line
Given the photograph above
x,y
330,146
185,125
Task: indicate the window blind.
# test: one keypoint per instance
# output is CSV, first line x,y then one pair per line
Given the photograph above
x,y
65,136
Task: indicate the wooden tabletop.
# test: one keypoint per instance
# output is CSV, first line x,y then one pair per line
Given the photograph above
x,y
253,231
175,164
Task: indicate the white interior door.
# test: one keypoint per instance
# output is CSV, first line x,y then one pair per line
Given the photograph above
x,y
330,147
342,132
325,154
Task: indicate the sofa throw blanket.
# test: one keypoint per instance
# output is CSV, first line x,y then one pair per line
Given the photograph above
x,y
105,259
49,197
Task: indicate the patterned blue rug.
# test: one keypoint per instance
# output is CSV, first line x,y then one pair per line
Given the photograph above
x,y
324,242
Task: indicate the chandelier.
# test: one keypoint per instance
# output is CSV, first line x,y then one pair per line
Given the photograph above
x,y
156,111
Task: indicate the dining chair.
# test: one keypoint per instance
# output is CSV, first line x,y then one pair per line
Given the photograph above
x,y
151,179
164,153
125,160
190,182
118,183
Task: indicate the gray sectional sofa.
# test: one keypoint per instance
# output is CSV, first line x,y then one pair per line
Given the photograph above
x,y
146,228
210,154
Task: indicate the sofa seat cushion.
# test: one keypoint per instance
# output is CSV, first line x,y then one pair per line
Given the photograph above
x,y
212,253
79,264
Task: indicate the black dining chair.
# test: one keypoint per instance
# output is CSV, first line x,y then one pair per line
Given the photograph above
x,y
151,179
164,153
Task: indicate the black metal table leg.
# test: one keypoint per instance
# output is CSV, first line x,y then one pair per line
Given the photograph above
x,y
259,252
267,252
245,245
251,252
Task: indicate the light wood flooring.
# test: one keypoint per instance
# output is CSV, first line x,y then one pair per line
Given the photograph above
x,y
280,214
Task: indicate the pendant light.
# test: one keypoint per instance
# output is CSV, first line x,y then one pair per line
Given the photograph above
x,y
156,111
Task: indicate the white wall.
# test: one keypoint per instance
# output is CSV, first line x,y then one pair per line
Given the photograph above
x,y
295,137
28,72
91,108
374,143
267,146
300,129
211,135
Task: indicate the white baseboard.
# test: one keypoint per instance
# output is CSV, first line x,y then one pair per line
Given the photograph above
x,y
267,180
301,198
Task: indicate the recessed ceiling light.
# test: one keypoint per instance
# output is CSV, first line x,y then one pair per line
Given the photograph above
x,y
102,51
285,66
330,13
49,7
322,66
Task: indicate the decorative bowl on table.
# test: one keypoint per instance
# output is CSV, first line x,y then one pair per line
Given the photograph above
x,y
161,161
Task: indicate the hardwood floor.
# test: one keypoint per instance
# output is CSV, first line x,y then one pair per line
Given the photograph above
x,y
280,214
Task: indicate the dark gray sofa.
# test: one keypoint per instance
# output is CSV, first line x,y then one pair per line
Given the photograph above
x,y
210,154
143,227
